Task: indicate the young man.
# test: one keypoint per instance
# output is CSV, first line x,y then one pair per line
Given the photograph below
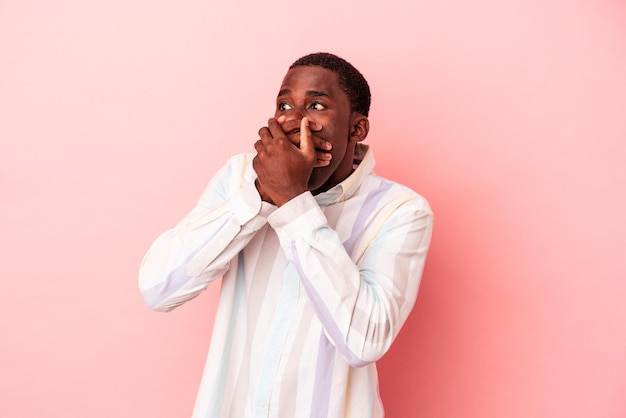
x,y
321,259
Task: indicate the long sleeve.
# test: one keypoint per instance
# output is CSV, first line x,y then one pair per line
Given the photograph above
x,y
183,261
364,288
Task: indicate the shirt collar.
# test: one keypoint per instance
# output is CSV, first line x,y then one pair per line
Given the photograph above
x,y
364,165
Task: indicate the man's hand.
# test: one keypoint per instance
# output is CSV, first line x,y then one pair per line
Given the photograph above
x,y
284,165
291,128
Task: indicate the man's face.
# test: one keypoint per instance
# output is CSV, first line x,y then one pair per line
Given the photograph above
x,y
314,92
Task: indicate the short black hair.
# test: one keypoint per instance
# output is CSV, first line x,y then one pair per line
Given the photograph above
x,y
350,79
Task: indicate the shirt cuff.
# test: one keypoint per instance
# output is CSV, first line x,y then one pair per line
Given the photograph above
x,y
297,217
246,204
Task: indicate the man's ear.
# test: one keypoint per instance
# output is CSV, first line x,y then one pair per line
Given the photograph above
x,y
360,127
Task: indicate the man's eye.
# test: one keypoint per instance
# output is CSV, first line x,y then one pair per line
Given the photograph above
x,y
317,106
284,106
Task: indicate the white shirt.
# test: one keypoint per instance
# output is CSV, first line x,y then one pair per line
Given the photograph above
x,y
313,292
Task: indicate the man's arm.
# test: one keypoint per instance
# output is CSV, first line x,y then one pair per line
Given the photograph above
x,y
362,290
185,260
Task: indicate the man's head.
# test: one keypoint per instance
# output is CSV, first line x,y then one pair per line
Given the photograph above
x,y
335,98
350,79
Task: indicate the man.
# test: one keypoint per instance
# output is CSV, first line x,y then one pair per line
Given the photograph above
x,y
321,259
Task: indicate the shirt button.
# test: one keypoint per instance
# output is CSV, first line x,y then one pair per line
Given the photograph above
x,y
262,404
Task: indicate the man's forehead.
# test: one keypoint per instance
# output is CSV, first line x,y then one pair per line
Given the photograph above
x,y
314,79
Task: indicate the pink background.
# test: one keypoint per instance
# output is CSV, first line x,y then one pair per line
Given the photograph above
x,y
509,116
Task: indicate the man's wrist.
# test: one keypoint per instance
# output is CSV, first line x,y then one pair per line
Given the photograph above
x,y
279,199
286,197
264,196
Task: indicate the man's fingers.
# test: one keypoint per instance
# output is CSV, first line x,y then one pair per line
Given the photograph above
x,y
291,128
306,141
274,129
323,159
300,133
264,133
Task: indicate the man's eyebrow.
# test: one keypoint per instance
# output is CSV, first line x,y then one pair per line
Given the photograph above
x,y
315,93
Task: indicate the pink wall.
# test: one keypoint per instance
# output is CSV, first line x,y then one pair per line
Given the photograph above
x,y
509,116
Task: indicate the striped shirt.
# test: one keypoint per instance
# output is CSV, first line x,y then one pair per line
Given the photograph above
x,y
313,292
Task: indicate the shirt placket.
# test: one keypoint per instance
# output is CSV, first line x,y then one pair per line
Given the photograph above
x,y
276,338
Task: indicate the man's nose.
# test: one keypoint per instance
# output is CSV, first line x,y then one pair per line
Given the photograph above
x,y
293,116
295,112
292,124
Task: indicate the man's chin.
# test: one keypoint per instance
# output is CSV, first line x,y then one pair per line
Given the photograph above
x,y
317,184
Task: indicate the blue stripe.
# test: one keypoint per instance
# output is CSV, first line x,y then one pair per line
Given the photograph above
x,y
276,338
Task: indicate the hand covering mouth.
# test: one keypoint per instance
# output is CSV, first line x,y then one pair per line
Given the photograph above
x,y
292,126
